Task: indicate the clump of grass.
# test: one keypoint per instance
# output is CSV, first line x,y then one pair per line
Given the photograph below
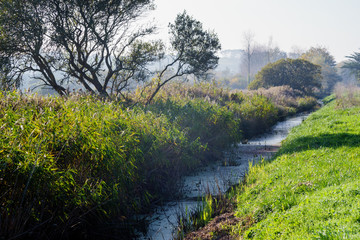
x,y
257,114
329,99
208,208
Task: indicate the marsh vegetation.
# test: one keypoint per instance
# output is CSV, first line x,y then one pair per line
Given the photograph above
x,y
71,163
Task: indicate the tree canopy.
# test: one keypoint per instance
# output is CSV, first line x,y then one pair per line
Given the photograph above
x,y
296,73
322,57
353,64
98,44
193,51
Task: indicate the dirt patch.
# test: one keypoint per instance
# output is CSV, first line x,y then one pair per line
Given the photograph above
x,y
218,228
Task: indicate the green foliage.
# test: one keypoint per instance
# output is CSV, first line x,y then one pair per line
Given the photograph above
x,y
195,47
287,100
63,159
323,58
193,52
353,64
201,118
310,189
329,99
297,73
306,103
257,113
79,160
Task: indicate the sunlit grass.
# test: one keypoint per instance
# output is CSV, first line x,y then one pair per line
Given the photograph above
x,y
311,189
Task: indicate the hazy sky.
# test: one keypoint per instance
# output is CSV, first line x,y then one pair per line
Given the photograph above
x,y
333,24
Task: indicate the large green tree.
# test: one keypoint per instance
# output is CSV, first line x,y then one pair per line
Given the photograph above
x,y
296,73
322,57
192,52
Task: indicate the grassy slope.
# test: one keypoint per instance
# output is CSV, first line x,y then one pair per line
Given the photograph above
x,y
312,188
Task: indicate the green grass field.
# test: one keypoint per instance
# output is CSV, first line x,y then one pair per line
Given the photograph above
x,y
311,189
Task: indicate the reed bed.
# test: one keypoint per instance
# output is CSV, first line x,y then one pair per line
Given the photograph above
x,y
69,164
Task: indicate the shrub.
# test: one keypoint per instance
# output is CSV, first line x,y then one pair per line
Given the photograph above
x,y
299,74
307,103
257,114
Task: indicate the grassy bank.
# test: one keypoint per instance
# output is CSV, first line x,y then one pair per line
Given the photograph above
x,y
310,190
69,165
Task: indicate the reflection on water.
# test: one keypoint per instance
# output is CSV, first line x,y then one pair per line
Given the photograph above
x,y
278,132
216,178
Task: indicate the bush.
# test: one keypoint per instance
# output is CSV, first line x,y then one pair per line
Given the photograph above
x,y
299,74
257,114
306,103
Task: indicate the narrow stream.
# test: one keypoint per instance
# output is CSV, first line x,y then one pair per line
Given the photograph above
x,y
217,177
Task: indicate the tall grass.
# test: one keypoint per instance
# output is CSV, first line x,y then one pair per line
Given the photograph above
x,y
61,158
289,101
70,163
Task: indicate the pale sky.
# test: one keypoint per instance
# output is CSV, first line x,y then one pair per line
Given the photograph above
x,y
333,24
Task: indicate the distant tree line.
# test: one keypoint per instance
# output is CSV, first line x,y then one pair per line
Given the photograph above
x,y
263,57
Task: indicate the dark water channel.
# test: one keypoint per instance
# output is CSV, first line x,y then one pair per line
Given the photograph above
x,y
216,178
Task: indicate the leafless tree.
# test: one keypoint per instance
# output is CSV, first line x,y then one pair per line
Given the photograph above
x,y
249,47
